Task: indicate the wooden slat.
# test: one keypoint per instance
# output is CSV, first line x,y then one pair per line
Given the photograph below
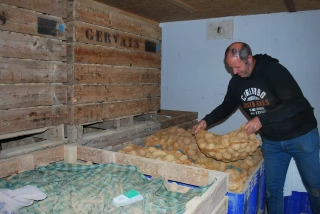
x,y
53,7
94,54
26,21
169,118
108,93
21,96
26,149
222,207
183,5
70,154
32,71
31,47
15,120
92,34
107,138
114,75
187,125
94,155
8,167
146,166
49,156
100,14
23,133
103,111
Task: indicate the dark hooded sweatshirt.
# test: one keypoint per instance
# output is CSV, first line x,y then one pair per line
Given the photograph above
x,y
272,94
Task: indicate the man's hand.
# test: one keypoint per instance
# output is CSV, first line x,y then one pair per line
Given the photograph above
x,y
201,125
252,126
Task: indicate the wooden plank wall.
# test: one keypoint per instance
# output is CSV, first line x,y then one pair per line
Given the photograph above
x,y
115,60
33,65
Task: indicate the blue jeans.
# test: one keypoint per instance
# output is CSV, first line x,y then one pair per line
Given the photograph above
x,y
277,156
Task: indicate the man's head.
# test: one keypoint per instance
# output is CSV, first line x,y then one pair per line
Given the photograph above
x,y
239,58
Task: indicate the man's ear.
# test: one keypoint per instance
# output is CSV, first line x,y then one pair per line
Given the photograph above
x,y
249,60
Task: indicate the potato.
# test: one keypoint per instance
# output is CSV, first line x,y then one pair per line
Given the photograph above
x,y
169,158
159,153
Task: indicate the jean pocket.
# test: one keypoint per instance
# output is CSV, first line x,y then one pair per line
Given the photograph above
x,y
309,142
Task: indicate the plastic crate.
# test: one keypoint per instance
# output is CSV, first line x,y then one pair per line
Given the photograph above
x,y
298,202
252,198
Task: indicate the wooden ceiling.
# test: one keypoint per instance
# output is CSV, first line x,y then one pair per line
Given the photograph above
x,y
179,10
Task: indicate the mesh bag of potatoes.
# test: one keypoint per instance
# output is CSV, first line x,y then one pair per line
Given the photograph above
x,y
240,170
248,163
233,146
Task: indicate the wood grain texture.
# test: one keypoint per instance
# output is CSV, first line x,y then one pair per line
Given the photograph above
x,y
32,71
20,119
164,11
8,167
26,21
89,113
100,14
108,93
53,7
169,118
93,54
104,139
91,74
31,47
92,34
21,96
49,156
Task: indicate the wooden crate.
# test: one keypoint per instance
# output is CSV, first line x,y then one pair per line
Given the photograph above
x,y
18,143
114,134
56,8
114,131
222,207
184,119
33,65
115,60
186,174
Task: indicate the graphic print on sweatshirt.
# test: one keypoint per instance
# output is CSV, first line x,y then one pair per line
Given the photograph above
x,y
253,101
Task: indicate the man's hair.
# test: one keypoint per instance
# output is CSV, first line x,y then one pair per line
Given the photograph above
x,y
242,53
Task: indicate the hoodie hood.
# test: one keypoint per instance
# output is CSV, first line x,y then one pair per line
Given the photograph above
x,y
262,60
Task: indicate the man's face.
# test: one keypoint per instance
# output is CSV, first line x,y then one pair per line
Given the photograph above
x,y
239,67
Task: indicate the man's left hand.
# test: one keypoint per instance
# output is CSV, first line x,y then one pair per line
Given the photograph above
x,y
252,125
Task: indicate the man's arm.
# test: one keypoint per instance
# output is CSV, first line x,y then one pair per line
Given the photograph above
x,y
221,112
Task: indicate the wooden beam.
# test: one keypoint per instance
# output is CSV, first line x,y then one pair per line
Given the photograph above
x,y
290,6
183,5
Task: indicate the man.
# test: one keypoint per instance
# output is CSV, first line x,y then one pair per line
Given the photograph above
x,y
271,97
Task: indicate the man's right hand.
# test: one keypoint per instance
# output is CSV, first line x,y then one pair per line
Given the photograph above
x,y
201,125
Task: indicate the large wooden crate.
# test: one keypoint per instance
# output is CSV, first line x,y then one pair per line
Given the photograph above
x,y
113,131
15,144
183,119
212,201
114,134
115,63
32,65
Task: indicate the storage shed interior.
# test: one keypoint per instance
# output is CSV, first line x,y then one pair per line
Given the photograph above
x,y
108,73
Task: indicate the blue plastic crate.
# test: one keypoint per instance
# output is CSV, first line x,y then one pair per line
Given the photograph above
x,y
298,202
252,199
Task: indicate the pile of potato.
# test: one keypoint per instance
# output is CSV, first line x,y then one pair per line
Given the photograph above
x,y
179,146
241,169
157,154
177,139
233,146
